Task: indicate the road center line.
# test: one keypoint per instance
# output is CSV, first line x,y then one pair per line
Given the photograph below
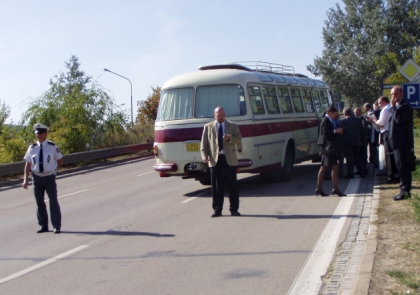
x,y
46,200
146,173
42,264
309,279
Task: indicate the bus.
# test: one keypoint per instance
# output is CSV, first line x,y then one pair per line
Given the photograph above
x,y
277,110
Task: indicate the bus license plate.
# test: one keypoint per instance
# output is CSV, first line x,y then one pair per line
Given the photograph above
x,y
193,147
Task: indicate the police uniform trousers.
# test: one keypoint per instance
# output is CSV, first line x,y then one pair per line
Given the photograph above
x,y
48,184
221,172
403,162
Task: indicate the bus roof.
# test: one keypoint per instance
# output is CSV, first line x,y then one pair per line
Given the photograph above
x,y
235,73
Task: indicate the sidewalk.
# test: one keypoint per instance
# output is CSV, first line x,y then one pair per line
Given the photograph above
x,y
354,263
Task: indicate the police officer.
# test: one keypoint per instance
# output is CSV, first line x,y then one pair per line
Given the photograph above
x,y
42,160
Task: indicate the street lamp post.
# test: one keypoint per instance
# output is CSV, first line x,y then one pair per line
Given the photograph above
x,y
131,87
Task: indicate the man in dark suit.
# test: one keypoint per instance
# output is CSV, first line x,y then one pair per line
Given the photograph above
x,y
218,150
365,136
372,136
401,139
352,142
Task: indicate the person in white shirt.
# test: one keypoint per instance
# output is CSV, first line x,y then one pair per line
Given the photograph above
x,y
42,160
383,124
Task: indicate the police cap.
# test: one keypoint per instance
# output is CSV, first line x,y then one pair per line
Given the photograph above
x,y
40,128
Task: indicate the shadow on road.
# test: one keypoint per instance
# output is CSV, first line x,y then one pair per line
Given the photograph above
x,y
119,233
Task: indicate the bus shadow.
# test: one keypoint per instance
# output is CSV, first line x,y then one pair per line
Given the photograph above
x,y
302,184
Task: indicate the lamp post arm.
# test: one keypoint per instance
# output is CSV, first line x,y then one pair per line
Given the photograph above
x,y
131,89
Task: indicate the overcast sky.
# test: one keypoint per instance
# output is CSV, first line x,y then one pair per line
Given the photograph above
x,y
148,41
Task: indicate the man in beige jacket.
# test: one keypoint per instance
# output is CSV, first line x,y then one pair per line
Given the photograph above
x,y
218,150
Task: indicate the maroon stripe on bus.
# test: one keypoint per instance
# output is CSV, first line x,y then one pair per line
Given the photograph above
x,y
176,135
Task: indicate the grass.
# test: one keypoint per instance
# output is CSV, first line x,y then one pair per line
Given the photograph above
x,y
397,267
409,280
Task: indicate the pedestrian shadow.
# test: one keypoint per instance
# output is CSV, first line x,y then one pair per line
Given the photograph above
x,y
298,216
119,233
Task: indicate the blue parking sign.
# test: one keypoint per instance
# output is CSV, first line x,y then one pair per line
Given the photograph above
x,y
412,94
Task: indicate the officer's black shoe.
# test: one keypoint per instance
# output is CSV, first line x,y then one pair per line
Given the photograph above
x,y
235,213
43,229
57,230
216,214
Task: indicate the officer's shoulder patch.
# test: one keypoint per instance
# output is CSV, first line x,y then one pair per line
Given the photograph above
x,y
51,143
58,150
34,145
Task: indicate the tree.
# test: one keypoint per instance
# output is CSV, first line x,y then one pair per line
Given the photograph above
x,y
76,109
148,108
363,42
4,114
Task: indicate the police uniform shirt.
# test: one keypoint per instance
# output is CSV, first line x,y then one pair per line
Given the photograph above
x,y
51,153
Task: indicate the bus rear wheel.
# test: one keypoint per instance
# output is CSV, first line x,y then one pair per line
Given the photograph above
x,y
284,173
287,169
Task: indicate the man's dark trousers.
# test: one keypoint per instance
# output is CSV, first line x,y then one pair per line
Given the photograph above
x,y
389,157
48,184
221,172
352,155
402,161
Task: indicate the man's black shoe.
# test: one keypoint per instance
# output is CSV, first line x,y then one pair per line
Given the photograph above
x,y
57,230
216,214
42,230
357,173
402,196
235,213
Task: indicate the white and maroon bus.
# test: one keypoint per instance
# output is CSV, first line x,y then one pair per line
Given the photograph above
x,y
277,111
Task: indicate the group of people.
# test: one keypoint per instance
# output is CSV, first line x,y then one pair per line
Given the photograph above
x,y
390,124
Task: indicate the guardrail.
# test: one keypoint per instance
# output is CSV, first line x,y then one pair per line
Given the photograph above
x,y
17,167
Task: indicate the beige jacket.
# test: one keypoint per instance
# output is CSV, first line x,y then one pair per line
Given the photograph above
x,y
210,145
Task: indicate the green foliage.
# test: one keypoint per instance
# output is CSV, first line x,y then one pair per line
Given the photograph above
x,y
12,145
76,109
364,42
148,108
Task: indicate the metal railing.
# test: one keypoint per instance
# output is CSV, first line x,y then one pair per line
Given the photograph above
x,y
17,167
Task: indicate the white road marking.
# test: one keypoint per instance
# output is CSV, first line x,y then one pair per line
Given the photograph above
x,y
42,264
146,173
46,200
188,200
309,279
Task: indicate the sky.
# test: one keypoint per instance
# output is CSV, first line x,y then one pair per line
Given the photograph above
x,y
148,42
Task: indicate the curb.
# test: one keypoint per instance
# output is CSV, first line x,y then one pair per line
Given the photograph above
x,y
354,262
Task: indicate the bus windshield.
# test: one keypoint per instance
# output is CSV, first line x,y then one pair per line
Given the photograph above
x,y
230,97
177,104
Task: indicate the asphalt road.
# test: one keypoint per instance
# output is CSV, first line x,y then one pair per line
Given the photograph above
x,y
125,230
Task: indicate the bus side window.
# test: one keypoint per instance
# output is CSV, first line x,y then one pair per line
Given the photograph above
x,y
306,93
284,98
315,97
324,99
270,98
297,100
256,100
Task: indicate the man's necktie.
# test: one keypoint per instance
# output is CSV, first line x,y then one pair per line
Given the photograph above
x,y
220,138
41,160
